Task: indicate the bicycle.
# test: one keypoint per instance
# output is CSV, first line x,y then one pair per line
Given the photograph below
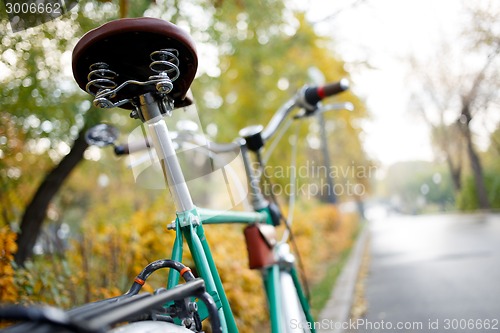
x,y
117,81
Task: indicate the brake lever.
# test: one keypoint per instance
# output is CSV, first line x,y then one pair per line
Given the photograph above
x,y
336,106
325,108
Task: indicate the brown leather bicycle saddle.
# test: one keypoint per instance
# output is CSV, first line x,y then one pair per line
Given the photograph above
x,y
125,45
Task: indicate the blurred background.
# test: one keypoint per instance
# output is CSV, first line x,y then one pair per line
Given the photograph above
x,y
430,81
423,137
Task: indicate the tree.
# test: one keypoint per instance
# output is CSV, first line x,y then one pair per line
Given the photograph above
x,y
458,84
416,186
448,141
495,142
41,130
46,115
39,110
43,109
264,60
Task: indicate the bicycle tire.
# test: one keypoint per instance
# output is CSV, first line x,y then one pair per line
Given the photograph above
x,y
292,314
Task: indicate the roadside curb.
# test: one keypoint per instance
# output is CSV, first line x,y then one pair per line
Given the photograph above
x,y
338,308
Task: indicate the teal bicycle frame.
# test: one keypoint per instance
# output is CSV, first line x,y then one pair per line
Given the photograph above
x,y
189,227
190,220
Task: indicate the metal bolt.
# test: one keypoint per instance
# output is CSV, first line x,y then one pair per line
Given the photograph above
x,y
196,220
164,86
103,103
187,322
192,307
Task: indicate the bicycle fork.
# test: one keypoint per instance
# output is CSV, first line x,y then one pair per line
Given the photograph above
x,y
296,315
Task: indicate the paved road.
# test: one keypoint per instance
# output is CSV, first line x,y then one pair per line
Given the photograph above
x,y
434,274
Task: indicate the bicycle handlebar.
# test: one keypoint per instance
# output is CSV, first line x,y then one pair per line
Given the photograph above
x,y
197,139
313,95
308,98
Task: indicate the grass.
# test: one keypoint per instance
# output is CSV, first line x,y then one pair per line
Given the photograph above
x,y
321,291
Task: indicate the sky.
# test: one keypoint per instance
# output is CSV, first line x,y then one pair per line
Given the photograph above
x,y
384,32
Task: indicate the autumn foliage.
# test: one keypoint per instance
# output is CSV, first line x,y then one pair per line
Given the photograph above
x,y
8,290
101,228
103,262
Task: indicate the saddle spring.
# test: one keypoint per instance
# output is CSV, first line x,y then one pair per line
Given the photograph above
x,y
102,84
101,79
165,63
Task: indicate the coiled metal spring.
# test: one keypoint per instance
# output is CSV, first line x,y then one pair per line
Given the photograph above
x,y
166,65
102,84
101,79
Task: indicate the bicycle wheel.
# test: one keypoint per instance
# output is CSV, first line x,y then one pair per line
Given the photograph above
x,y
292,313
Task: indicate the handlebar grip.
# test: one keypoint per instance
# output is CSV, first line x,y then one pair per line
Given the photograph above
x,y
313,95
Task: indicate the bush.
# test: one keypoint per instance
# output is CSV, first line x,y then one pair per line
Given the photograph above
x,y
467,199
105,258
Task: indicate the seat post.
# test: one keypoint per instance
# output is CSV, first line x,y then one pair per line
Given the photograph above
x,y
158,54
152,111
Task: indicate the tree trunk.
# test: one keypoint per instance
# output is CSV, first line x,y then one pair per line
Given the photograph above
x,y
123,8
455,172
477,171
34,215
448,140
475,163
